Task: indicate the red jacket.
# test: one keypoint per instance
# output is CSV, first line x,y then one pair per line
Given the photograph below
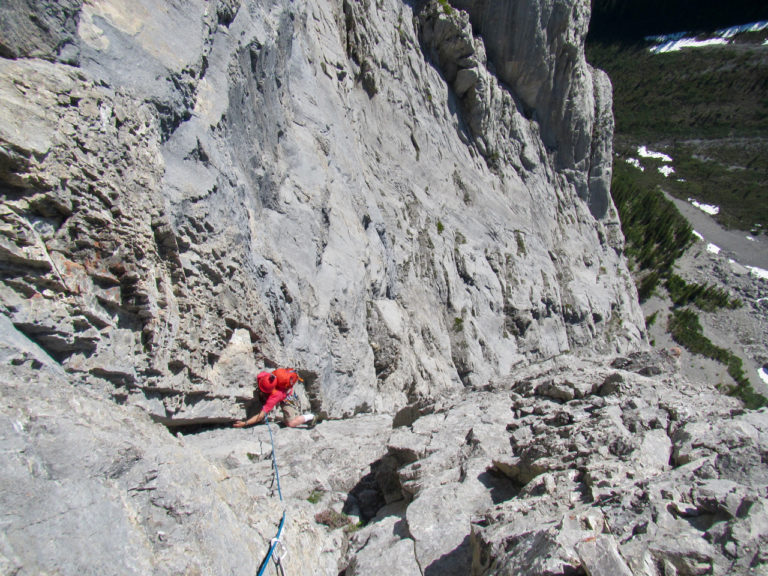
x,y
274,399
281,386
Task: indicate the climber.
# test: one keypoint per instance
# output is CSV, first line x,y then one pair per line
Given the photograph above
x,y
275,388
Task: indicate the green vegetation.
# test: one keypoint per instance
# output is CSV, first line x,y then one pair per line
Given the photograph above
x,y
315,497
686,94
656,233
686,330
352,528
705,297
333,520
458,324
447,8
440,227
707,109
731,174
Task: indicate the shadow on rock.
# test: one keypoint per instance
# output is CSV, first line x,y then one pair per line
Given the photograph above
x,y
500,487
456,563
366,498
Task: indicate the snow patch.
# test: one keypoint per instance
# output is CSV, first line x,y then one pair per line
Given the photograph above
x,y
759,272
751,239
677,45
643,152
666,170
636,163
710,209
678,41
713,249
734,30
699,236
763,373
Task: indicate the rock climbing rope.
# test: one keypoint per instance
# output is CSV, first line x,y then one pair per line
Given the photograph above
x,y
277,549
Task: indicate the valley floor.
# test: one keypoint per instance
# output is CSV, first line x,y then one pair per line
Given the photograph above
x,y
736,244
744,331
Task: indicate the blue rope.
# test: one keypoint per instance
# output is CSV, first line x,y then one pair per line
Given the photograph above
x,y
276,539
274,457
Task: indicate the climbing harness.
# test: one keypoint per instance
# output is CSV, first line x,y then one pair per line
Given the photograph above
x,y
277,550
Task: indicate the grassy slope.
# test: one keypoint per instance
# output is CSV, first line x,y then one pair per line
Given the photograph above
x,y
707,108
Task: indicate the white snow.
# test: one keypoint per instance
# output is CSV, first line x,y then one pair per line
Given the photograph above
x,y
636,163
666,170
763,374
712,249
751,239
677,45
699,236
733,30
710,209
643,152
759,272
678,41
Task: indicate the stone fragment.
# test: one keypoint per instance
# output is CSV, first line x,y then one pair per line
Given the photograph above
x,y
383,548
600,557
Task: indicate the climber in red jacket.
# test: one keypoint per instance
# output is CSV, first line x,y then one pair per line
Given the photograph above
x,y
275,388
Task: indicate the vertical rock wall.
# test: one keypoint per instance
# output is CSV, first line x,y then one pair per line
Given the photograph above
x,y
537,49
398,199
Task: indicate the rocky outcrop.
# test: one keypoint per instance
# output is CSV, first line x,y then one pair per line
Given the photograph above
x,y
355,190
570,466
89,485
577,467
623,490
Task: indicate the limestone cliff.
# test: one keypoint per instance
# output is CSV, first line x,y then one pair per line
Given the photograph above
x,y
400,199
408,201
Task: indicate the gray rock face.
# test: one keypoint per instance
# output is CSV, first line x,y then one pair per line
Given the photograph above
x,y
537,49
40,29
92,486
570,466
359,189
399,201
621,484
581,467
